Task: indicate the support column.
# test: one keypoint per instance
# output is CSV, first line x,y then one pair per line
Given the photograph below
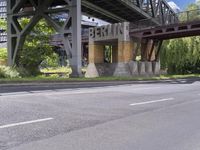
x,y
156,63
10,37
75,62
125,49
70,30
124,56
115,53
149,49
15,32
152,50
96,53
96,56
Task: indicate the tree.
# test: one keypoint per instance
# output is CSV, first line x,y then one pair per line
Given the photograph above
x,y
36,48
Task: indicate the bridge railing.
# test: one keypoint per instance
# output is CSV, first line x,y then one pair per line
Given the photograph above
x,y
180,17
189,16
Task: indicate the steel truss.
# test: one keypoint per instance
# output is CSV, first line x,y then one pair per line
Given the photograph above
x,y
157,9
148,48
37,10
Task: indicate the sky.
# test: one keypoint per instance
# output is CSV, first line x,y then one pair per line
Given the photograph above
x,y
182,3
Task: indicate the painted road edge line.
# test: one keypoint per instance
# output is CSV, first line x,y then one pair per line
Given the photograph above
x,y
24,123
150,102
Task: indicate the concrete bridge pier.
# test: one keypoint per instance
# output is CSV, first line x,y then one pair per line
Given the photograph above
x,y
150,65
96,56
117,36
124,56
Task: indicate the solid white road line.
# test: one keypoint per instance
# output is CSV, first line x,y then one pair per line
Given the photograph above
x,y
13,93
24,123
150,102
75,91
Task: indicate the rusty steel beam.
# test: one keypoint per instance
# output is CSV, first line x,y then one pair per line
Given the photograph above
x,y
170,31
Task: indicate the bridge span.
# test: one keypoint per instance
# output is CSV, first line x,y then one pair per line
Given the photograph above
x,y
141,38
139,26
113,11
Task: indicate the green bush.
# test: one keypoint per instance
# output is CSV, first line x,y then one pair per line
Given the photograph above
x,y
8,72
50,61
3,53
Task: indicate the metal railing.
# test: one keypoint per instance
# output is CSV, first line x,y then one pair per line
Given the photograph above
x,y
180,17
189,16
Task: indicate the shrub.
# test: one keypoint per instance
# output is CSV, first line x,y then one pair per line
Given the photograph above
x,y
3,53
8,72
50,61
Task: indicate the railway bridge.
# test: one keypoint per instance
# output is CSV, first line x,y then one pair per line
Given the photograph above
x,y
122,16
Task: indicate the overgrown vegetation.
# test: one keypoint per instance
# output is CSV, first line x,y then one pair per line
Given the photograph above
x,y
181,56
3,53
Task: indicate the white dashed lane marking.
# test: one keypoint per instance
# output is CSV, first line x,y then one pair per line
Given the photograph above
x,y
150,102
24,123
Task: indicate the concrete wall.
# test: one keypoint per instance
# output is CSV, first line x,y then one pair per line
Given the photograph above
x,y
130,69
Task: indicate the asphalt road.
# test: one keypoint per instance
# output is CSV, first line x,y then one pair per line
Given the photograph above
x,y
126,116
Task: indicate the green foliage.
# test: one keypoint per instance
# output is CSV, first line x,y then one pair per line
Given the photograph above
x,y
8,72
3,24
191,13
36,48
138,58
108,54
181,56
50,61
66,70
55,71
3,53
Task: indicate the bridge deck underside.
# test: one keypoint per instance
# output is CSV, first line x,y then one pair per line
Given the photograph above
x,y
124,10
117,7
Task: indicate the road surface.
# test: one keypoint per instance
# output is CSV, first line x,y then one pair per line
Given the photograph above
x,y
134,116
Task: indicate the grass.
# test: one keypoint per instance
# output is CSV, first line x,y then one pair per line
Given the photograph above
x,y
56,69
42,79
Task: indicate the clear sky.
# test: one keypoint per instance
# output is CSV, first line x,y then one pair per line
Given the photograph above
x,y
182,3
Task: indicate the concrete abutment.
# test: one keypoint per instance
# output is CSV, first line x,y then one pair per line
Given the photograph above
x,y
123,51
